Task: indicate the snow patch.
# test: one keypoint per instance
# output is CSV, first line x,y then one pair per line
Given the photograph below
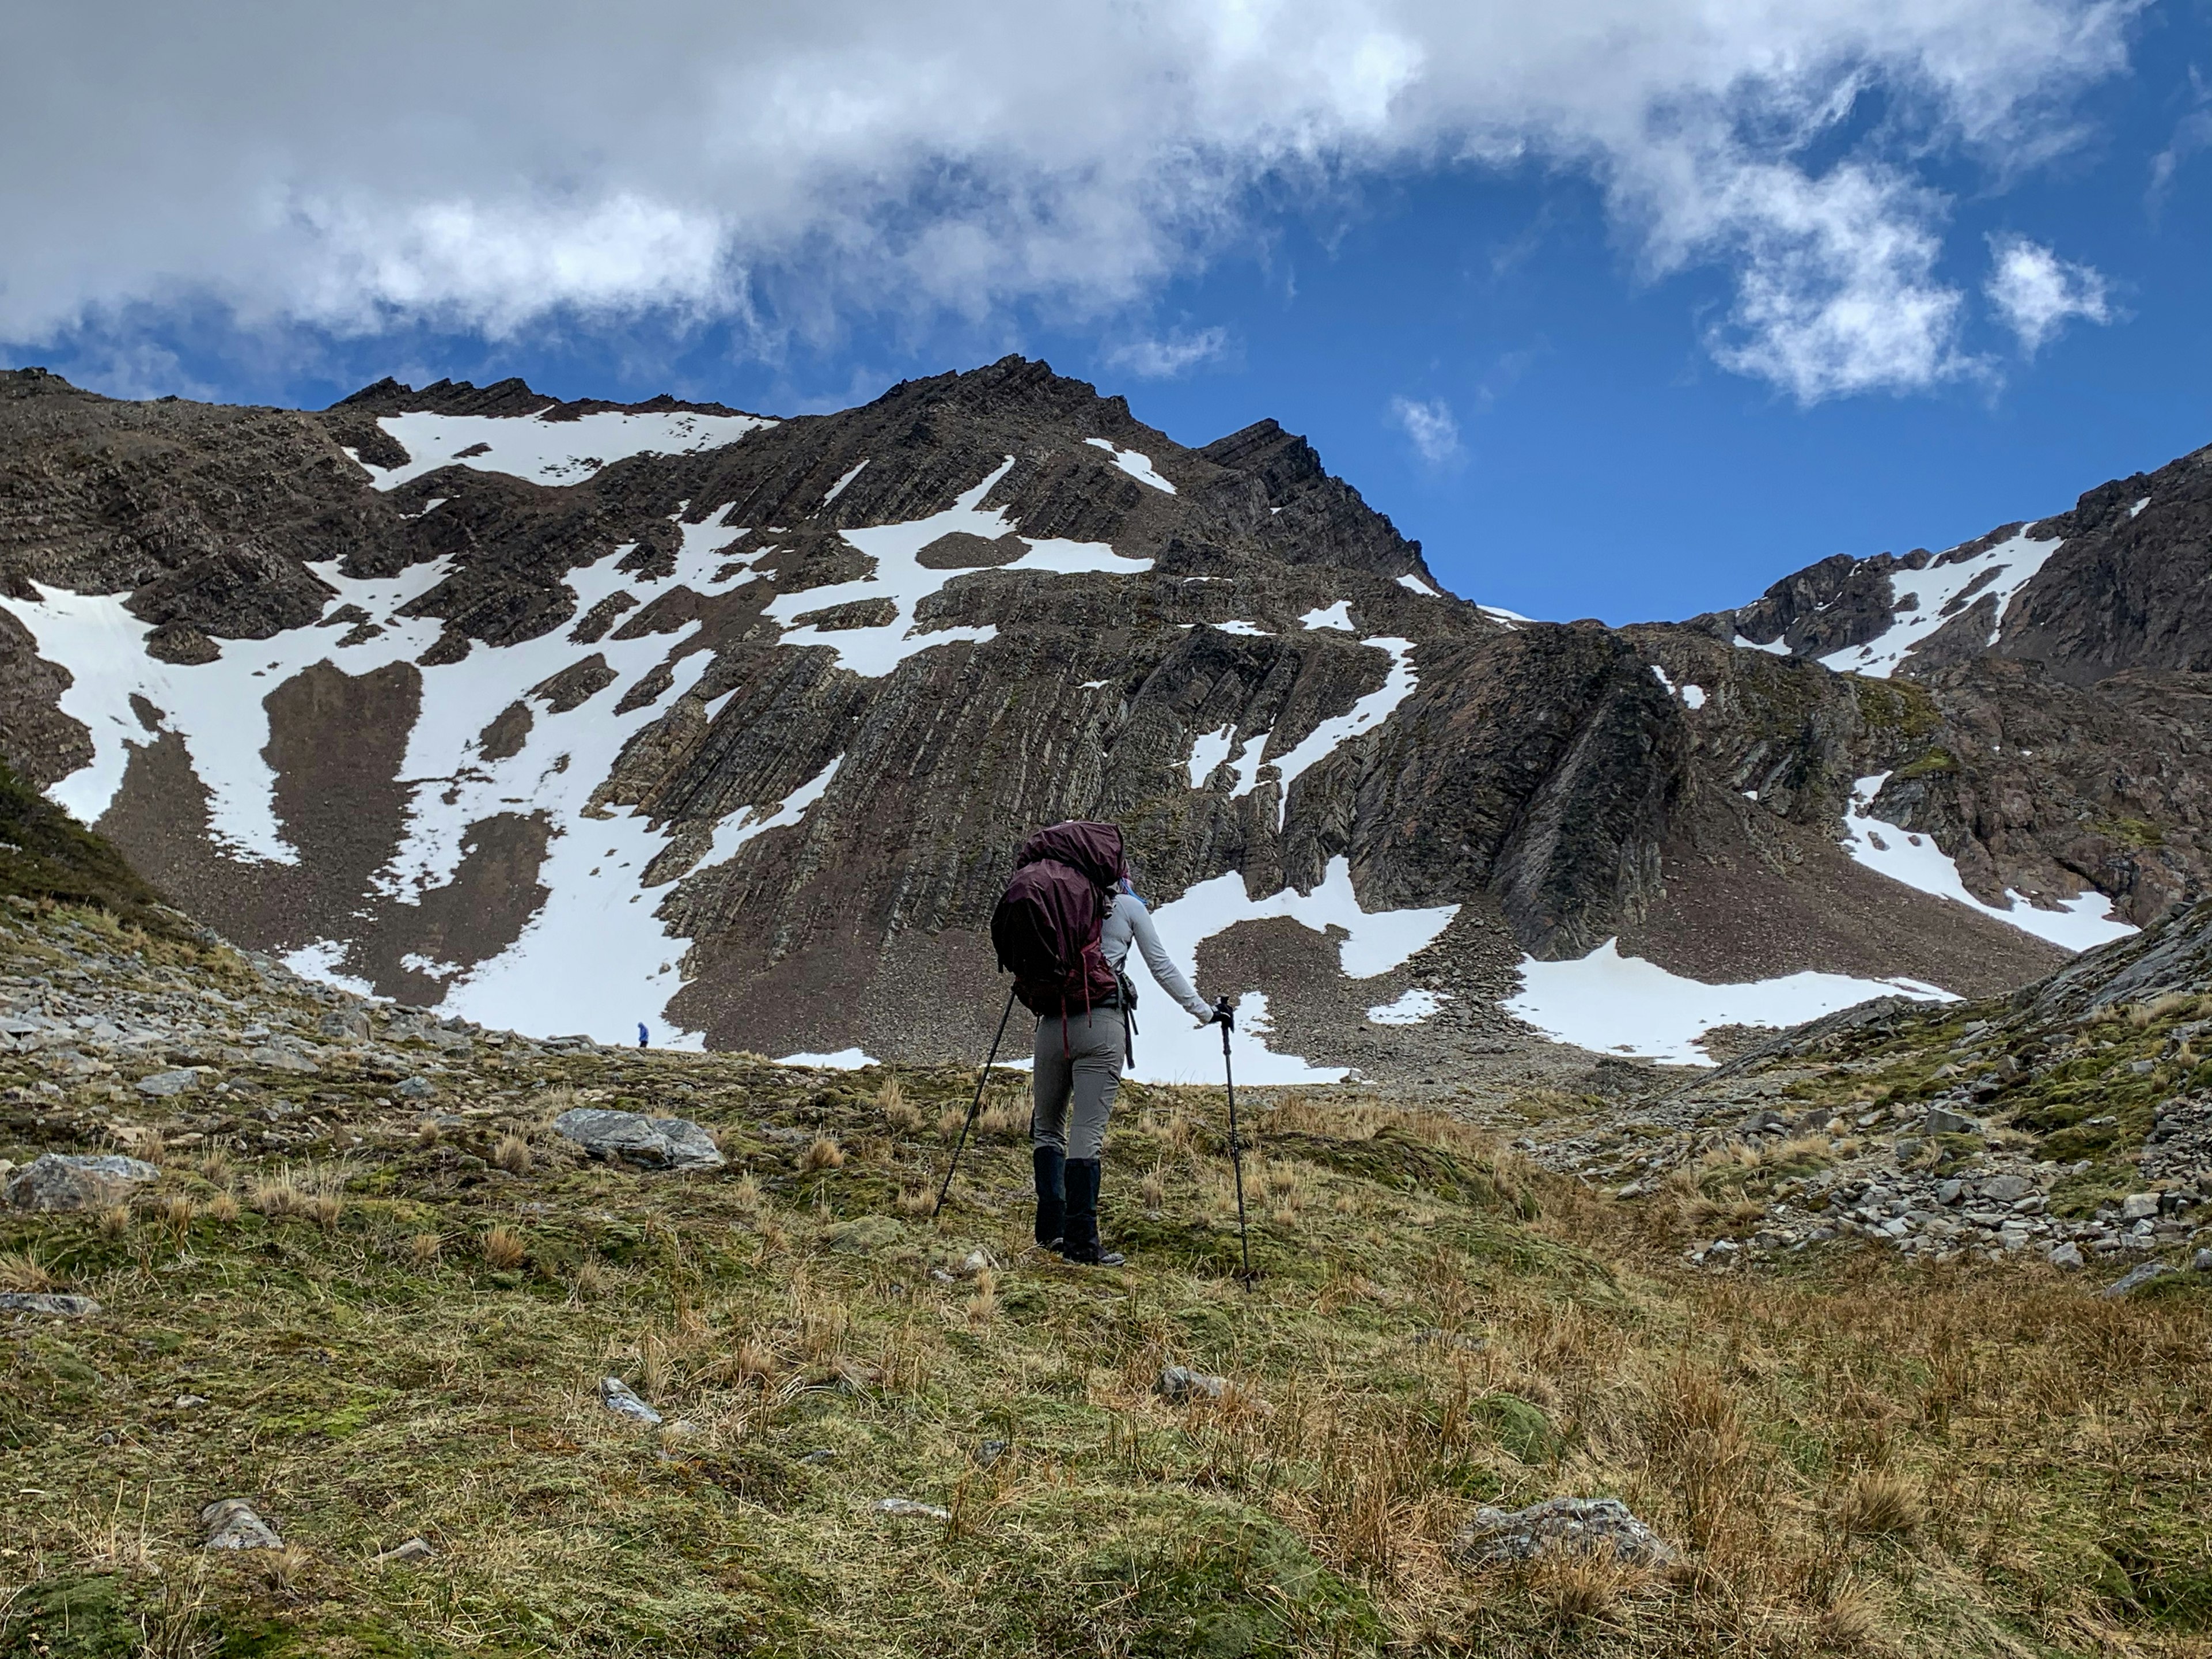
x,y
1626,1006
1207,751
1335,616
838,489
1370,711
2004,571
2132,511
1410,1009
872,653
735,831
1663,680
556,453
1136,464
1243,628
1418,586
1772,647
1498,613
320,961
1374,942
845,1059
1693,697
1912,857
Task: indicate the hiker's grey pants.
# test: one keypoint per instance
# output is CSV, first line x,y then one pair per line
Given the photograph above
x,y
1085,1067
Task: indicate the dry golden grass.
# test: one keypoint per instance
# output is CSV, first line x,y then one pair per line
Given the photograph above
x,y
593,1280
513,1155
115,1221
822,1153
22,1272
423,1248
1879,1503
224,1207
178,1213
504,1247
899,1114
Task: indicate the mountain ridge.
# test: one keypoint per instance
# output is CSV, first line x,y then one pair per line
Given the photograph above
x,y
824,672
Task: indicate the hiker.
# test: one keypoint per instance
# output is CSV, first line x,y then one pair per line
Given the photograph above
x,y
640,1034
1072,903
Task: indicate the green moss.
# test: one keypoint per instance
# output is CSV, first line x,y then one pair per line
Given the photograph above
x,y
47,856
1898,706
2134,834
1927,763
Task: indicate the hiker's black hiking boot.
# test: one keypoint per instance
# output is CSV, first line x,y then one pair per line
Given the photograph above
x,y
1079,1237
1051,1194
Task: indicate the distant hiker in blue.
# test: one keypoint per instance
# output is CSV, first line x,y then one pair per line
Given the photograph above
x,y
640,1034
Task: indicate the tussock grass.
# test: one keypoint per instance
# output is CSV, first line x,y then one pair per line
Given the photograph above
x,y
1852,1454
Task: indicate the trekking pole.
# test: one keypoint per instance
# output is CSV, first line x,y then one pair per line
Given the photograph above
x,y
1227,1016
973,1106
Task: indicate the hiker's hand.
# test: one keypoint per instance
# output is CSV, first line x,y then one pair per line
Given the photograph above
x,y
1224,1014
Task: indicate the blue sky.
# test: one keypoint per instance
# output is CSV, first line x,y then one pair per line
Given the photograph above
x,y
1627,332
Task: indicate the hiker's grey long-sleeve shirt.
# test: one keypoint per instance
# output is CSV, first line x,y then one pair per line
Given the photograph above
x,y
1127,921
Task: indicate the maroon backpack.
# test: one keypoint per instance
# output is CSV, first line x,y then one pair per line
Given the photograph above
x,y
1048,922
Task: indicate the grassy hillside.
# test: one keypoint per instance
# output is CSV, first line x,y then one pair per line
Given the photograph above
x,y
396,1313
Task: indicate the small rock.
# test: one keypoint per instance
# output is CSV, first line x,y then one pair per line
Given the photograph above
x,y
976,1263
2066,1255
231,1524
990,1452
412,1553
1949,1192
1180,1382
1942,1120
2135,1279
653,1143
864,1235
415,1088
281,1060
906,1509
616,1395
2139,1206
2202,1262
163,1083
47,1302
1575,1525
2006,1188
65,1181
349,1023
184,1402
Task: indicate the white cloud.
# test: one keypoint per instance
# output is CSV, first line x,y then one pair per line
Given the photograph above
x,y
1430,424
494,166
2035,291
1164,358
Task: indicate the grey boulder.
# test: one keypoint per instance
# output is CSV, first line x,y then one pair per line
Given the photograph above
x,y
650,1143
233,1524
1572,1525
1942,1120
617,1396
71,1180
2135,1279
47,1302
1180,1382
163,1084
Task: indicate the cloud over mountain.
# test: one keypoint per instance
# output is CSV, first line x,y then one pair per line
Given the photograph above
x,y
492,168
